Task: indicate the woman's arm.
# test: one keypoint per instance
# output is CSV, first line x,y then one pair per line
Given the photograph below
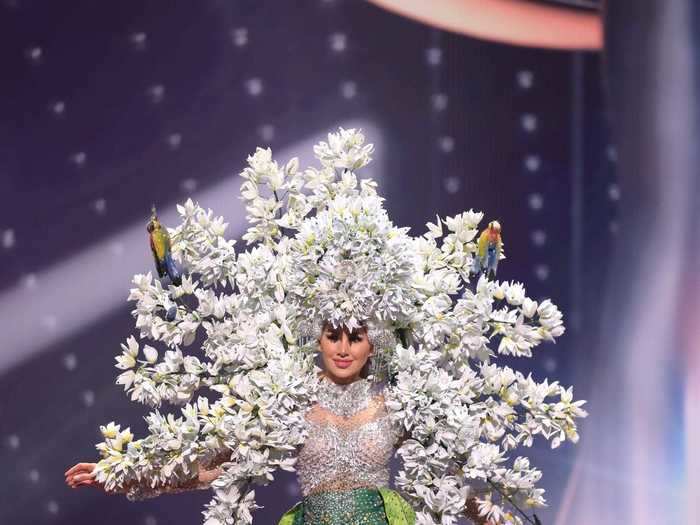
x,y
82,475
201,480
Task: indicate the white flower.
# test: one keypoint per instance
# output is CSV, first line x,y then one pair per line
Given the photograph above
x,y
125,361
434,230
132,347
463,226
126,379
529,307
515,294
124,437
499,291
150,353
344,150
187,211
292,166
547,309
110,431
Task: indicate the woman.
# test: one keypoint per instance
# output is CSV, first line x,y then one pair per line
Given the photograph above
x,y
327,250
343,467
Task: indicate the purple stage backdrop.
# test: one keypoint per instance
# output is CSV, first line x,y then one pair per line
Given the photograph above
x,y
107,107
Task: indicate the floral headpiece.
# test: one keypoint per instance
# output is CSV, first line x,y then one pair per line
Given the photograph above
x,y
351,267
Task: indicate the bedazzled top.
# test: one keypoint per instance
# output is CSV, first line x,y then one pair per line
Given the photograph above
x,y
351,439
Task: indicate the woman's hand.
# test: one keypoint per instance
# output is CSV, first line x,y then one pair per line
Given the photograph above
x,y
83,475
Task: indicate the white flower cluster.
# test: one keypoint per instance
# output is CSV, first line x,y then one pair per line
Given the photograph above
x,y
321,247
200,239
349,260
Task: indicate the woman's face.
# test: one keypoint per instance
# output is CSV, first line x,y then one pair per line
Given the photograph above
x,y
344,353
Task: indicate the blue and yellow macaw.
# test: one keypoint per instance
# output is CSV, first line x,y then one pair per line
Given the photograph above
x,y
162,251
160,246
488,250
162,254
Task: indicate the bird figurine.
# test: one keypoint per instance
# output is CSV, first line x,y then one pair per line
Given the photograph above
x,y
161,248
488,251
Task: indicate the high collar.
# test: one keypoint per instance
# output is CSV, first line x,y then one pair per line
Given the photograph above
x,y
344,399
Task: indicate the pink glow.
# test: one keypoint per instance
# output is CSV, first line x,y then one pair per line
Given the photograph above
x,y
507,21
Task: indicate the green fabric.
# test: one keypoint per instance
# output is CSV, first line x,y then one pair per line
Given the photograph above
x,y
397,509
293,515
381,506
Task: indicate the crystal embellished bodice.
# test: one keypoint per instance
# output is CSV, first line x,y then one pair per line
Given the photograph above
x,y
350,441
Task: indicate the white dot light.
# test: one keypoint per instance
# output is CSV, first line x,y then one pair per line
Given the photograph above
x,y
188,185
33,475
29,281
535,201
13,441
614,192
542,271
254,86
79,158
433,55
446,144
532,163
174,140
156,92
239,36
57,108
34,54
70,361
52,507
550,364
348,89
267,132
138,40
8,238
338,42
100,206
451,184
525,78
88,397
538,237
439,101
612,153
529,122
150,520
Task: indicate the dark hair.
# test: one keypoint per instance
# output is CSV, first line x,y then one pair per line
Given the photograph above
x,y
364,372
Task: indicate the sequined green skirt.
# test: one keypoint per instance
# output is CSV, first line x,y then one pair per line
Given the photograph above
x,y
363,506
